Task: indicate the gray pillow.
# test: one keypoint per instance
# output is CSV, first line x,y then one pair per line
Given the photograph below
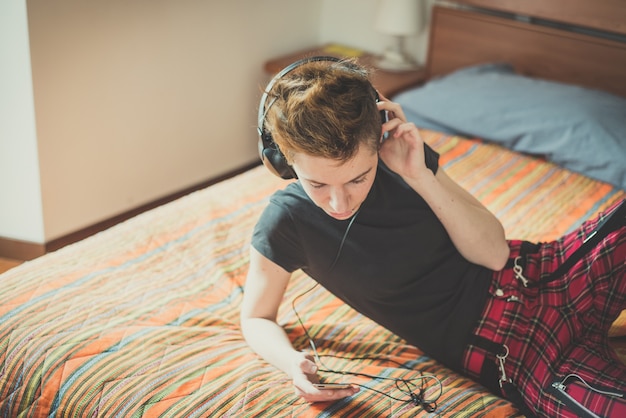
x,y
581,129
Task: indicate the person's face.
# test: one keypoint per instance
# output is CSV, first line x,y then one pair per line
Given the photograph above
x,y
337,188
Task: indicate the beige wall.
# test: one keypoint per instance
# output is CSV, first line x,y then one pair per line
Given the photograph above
x,y
137,99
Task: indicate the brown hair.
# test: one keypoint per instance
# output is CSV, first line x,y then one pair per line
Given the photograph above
x,y
325,109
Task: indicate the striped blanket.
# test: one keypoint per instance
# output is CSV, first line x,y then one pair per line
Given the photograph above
x,y
142,319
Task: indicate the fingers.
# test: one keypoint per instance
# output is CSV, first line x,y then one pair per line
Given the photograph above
x,y
392,125
394,110
304,377
312,394
406,128
396,117
307,364
304,368
397,128
326,395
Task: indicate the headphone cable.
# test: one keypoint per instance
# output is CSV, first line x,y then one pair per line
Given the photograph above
x,y
418,399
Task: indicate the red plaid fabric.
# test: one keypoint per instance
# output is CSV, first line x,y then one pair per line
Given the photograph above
x,y
557,331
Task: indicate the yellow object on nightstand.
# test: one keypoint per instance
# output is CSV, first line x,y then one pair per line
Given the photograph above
x,y
342,50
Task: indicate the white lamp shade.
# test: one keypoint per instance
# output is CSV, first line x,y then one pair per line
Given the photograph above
x,y
398,17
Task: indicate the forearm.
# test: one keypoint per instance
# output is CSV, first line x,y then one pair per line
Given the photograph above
x,y
476,233
269,340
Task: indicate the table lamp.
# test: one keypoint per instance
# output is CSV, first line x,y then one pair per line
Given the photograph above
x,y
399,18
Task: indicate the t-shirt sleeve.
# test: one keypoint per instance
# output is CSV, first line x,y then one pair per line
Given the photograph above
x,y
432,158
275,236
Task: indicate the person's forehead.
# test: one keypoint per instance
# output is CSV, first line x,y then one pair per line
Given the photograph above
x,y
328,171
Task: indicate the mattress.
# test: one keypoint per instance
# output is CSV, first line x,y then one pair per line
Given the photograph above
x,y
143,319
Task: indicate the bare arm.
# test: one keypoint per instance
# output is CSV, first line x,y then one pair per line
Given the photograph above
x,y
476,233
263,294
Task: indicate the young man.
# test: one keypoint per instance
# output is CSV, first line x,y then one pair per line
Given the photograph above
x,y
380,225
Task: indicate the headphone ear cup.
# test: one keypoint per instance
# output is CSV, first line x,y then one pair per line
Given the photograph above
x,y
273,159
276,162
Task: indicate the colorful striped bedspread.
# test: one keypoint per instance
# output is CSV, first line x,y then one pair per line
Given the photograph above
x,y
141,320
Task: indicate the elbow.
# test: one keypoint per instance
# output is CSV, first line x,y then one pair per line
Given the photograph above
x,y
500,257
501,251
246,326
245,320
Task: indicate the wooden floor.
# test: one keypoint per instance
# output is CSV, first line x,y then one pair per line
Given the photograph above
x,y
6,264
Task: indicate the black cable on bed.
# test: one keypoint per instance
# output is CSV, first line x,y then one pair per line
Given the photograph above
x,y
415,394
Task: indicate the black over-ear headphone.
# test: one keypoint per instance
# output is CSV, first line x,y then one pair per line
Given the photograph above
x,y
269,152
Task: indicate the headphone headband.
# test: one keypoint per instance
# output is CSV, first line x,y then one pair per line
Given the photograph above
x,y
262,110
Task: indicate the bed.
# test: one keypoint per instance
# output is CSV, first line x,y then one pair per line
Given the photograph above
x,y
142,319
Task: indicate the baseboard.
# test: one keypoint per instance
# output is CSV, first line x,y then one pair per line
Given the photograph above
x,y
22,250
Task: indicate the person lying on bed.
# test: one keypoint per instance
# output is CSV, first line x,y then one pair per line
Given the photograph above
x,y
379,224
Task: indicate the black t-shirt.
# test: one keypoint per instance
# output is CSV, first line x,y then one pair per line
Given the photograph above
x,y
397,264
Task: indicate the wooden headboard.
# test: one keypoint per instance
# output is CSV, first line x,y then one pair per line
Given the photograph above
x,y
462,36
603,15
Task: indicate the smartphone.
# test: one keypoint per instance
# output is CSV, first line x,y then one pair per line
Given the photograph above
x,y
323,386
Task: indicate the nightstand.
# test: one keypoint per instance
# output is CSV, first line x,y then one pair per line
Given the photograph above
x,y
388,83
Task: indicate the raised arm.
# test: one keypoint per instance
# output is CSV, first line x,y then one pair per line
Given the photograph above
x,y
263,294
476,233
